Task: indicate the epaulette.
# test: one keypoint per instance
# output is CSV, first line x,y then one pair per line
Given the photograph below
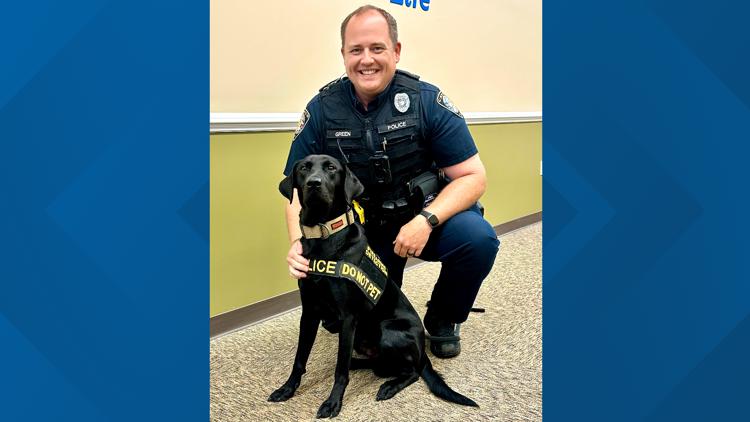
x,y
330,84
409,74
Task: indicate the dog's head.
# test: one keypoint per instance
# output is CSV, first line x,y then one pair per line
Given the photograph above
x,y
324,186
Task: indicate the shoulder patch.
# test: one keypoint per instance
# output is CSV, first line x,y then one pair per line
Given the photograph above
x,y
446,103
303,119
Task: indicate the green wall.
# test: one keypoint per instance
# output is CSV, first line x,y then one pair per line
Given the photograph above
x,y
248,231
512,155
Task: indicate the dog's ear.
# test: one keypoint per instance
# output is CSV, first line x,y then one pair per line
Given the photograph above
x,y
286,187
352,186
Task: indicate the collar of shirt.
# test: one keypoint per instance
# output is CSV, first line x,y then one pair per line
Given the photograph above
x,y
373,105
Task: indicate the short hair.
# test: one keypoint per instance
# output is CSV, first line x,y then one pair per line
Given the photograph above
x,y
392,26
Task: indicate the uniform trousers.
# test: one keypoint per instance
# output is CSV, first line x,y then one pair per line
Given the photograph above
x,y
465,244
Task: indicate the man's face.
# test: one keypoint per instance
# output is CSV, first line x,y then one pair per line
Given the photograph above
x,y
369,55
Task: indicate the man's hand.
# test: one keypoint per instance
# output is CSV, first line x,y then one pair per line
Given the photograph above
x,y
298,265
412,237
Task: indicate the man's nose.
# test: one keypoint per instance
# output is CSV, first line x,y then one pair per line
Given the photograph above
x,y
367,57
314,181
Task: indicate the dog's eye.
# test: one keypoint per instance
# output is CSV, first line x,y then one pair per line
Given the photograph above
x,y
331,167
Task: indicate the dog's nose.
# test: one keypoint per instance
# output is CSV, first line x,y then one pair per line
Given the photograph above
x,y
314,182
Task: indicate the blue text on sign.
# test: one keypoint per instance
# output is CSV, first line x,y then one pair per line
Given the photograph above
x,y
424,4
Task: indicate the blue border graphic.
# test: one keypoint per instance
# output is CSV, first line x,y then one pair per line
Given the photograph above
x,y
646,281
104,175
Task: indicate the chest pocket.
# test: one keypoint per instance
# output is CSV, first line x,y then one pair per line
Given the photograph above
x,y
345,144
399,135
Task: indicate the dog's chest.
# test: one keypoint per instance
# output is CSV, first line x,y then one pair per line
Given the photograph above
x,y
331,283
334,296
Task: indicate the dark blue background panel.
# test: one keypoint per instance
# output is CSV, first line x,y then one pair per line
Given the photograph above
x,y
646,291
104,301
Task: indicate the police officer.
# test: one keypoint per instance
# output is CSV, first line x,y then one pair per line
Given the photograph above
x,y
411,148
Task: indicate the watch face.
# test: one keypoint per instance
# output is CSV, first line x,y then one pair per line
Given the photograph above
x,y
431,218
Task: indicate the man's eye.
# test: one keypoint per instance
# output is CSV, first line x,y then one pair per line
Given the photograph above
x,y
378,49
355,51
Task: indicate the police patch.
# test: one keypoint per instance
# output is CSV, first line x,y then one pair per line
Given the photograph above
x,y
401,101
301,124
445,102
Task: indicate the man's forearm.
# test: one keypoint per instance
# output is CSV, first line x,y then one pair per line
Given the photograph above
x,y
292,219
458,196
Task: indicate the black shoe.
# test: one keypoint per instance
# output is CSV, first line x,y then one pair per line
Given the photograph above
x,y
443,334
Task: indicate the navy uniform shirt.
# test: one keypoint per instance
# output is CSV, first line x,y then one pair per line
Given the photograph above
x,y
448,138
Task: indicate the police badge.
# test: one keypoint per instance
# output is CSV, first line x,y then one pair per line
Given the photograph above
x,y
401,101
302,122
444,101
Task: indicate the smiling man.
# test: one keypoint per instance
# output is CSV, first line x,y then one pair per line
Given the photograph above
x,y
370,54
411,149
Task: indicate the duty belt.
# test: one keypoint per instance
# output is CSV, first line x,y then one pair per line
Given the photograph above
x,y
370,276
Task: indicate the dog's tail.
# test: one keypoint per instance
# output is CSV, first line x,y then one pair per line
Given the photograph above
x,y
438,387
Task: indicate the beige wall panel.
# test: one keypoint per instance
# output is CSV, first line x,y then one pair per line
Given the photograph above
x,y
269,57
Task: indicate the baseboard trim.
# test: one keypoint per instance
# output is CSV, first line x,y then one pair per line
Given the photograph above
x,y
265,309
518,223
253,313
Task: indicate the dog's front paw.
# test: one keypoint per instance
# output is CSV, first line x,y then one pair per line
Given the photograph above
x,y
282,394
329,408
387,391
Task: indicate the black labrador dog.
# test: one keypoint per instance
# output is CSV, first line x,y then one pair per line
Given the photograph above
x,y
387,330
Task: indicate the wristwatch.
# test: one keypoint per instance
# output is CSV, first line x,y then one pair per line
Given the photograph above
x,y
431,218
